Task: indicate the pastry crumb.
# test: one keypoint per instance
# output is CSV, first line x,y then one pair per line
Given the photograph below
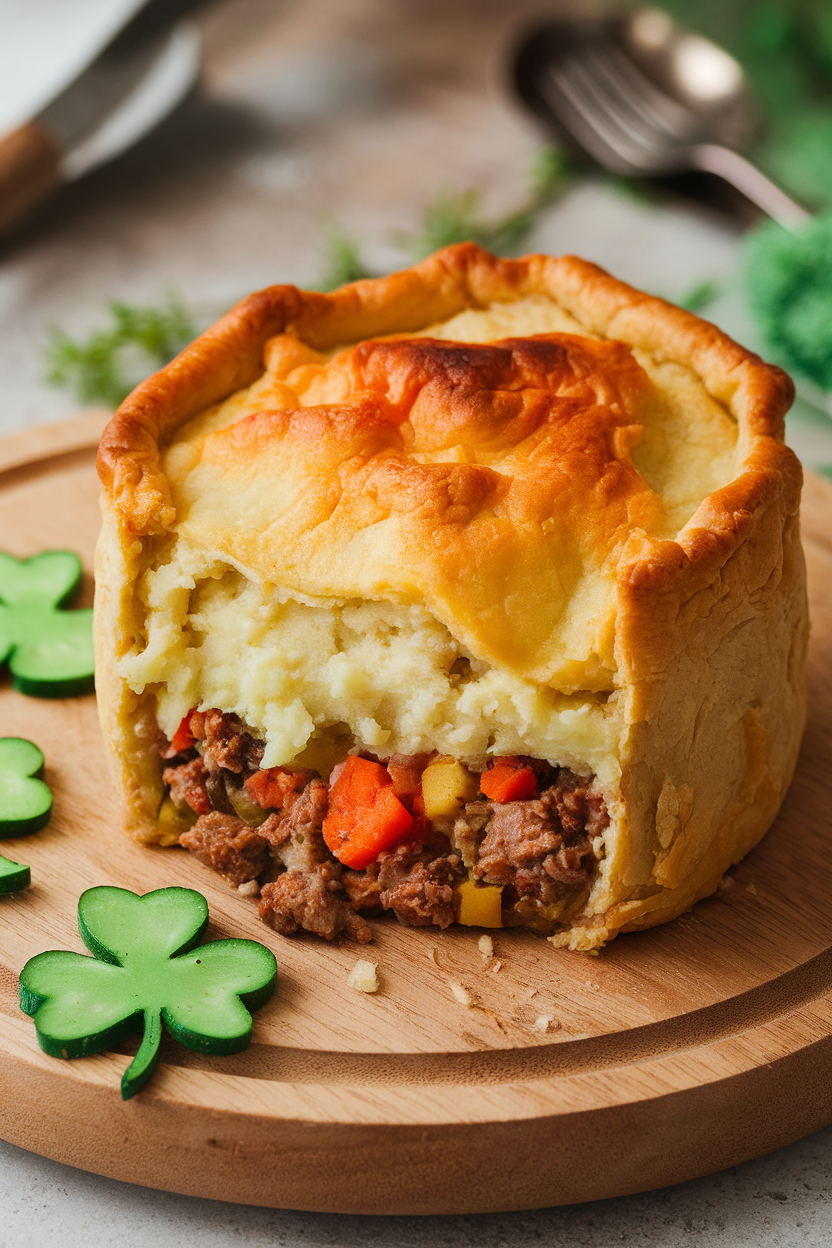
x,y
462,995
749,888
726,883
364,976
250,889
546,1023
496,966
433,954
530,992
486,946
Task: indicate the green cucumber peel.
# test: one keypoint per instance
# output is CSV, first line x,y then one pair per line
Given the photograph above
x,y
25,800
148,971
49,649
14,876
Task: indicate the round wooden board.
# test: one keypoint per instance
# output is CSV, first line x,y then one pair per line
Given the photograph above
x,y
676,1052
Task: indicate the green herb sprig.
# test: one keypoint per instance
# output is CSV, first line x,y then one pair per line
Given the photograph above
x,y
455,217
105,367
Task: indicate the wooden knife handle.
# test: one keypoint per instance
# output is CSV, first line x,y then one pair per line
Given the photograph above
x,y
29,170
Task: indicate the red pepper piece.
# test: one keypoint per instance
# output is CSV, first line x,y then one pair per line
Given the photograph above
x,y
182,739
365,816
271,787
405,771
509,780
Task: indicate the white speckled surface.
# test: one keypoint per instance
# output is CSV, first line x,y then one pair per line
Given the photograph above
x,y
781,1201
360,109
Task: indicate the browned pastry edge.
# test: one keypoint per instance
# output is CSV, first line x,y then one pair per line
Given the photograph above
x,y
229,356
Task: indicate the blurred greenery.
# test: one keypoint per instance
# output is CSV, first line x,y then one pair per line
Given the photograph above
x,y
455,217
342,258
700,295
785,49
789,279
105,367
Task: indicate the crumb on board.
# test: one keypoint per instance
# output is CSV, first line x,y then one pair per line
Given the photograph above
x,y
546,1023
462,995
593,987
749,888
726,883
364,976
250,889
531,992
433,954
486,946
495,966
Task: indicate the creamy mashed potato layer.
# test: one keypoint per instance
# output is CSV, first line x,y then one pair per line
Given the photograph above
x,y
315,678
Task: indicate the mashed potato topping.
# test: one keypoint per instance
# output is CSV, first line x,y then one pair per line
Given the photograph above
x,y
315,677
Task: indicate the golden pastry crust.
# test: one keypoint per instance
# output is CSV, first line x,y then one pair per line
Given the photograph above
x,y
494,484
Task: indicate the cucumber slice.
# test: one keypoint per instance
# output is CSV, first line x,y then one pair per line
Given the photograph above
x,y
13,876
25,801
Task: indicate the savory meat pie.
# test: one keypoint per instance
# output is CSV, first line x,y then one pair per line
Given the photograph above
x,y
473,593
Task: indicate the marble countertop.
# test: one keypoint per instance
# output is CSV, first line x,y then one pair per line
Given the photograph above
x,y
359,112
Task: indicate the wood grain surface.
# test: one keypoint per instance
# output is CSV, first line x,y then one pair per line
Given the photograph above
x,y
676,1052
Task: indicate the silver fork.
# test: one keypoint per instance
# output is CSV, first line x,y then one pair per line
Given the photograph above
x,y
632,126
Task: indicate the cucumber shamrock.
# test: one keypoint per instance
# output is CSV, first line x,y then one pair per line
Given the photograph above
x,y
149,973
49,649
25,804
25,801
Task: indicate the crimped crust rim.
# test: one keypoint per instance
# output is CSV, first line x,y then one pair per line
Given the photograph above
x,y
228,356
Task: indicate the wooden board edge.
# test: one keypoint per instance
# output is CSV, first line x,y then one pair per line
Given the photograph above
x,y
58,438
654,1141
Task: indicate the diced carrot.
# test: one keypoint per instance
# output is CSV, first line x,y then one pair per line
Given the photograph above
x,y
271,787
365,816
509,780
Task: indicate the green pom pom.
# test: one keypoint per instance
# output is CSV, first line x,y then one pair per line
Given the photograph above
x,y
789,279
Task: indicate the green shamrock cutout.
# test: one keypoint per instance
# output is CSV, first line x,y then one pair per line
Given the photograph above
x,y
149,973
25,801
25,804
49,649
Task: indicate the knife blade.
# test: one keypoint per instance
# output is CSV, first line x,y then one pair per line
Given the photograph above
x,y
34,157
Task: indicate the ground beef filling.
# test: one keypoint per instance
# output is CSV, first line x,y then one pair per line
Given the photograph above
x,y
263,832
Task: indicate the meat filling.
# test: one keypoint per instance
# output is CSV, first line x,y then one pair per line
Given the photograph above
x,y
377,837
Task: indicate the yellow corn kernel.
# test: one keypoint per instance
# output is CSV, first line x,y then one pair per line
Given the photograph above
x,y
173,822
446,785
479,904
